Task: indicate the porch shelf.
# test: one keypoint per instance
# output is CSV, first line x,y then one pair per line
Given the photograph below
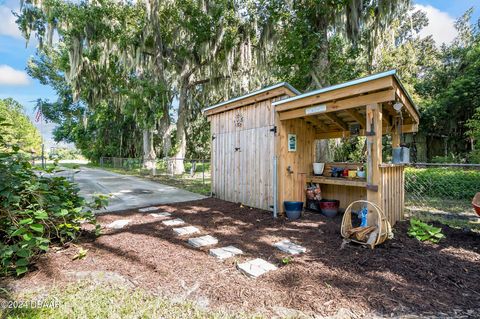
x,y
357,182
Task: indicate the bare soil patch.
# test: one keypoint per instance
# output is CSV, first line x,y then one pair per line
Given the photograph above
x,y
403,276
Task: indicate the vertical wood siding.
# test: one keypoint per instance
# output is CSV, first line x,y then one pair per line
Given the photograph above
x,y
291,186
244,175
392,179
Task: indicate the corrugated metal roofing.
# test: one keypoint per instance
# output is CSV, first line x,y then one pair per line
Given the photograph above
x,y
268,88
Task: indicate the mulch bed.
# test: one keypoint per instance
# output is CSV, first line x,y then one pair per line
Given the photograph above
x,y
402,276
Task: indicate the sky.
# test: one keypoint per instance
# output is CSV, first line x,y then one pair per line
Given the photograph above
x,y
15,53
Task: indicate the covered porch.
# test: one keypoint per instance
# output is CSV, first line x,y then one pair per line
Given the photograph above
x,y
372,106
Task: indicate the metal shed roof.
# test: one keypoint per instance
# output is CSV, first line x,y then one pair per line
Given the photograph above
x,y
265,89
350,83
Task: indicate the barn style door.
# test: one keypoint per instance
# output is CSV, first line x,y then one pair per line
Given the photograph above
x,y
242,170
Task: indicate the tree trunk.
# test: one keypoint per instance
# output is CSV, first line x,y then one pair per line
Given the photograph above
x,y
179,167
149,156
167,140
165,129
323,153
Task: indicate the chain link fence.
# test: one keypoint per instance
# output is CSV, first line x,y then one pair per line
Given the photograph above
x,y
445,190
187,173
165,166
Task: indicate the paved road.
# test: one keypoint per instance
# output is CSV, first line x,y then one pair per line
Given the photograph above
x,y
128,191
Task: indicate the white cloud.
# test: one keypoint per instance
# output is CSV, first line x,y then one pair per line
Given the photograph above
x,y
441,25
7,22
10,76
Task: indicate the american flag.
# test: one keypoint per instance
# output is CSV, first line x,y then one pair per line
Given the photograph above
x,y
38,115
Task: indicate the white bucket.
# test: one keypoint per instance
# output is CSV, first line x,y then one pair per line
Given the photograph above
x,y
318,168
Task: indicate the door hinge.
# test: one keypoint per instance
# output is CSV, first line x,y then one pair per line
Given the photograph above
x,y
237,149
213,137
274,129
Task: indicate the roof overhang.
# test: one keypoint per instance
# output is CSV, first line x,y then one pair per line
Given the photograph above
x,y
360,86
266,93
333,109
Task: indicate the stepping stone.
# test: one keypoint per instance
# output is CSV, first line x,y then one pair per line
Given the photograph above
x,y
289,247
187,230
173,222
160,215
225,252
206,240
256,267
148,209
119,224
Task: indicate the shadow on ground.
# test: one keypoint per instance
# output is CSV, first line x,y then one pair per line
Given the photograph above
x,y
403,276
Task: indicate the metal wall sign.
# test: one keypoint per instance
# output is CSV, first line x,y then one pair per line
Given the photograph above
x,y
292,142
316,109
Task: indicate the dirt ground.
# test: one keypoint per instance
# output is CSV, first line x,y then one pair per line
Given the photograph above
x,y
403,276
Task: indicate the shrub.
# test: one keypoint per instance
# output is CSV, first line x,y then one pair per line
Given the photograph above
x,y
450,158
474,157
35,211
444,183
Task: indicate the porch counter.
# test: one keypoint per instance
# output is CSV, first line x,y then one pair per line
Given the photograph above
x,y
357,182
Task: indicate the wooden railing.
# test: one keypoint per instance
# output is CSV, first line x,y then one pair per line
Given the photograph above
x,y
392,188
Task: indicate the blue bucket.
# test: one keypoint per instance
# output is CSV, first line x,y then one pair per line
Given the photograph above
x,y
293,209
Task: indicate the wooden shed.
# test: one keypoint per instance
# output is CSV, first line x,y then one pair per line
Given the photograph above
x,y
263,143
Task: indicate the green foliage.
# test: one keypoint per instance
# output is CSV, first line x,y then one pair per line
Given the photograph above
x,y
198,138
450,158
35,211
17,128
63,153
435,182
473,132
82,253
350,149
287,260
474,156
448,91
424,232
442,81
319,43
119,66
411,55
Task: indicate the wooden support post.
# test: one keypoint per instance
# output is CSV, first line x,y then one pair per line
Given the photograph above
x,y
374,157
396,133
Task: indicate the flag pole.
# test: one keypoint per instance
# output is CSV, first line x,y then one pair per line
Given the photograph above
x,y
43,140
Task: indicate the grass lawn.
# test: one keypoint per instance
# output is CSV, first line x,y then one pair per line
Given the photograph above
x,y
105,300
60,165
195,184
